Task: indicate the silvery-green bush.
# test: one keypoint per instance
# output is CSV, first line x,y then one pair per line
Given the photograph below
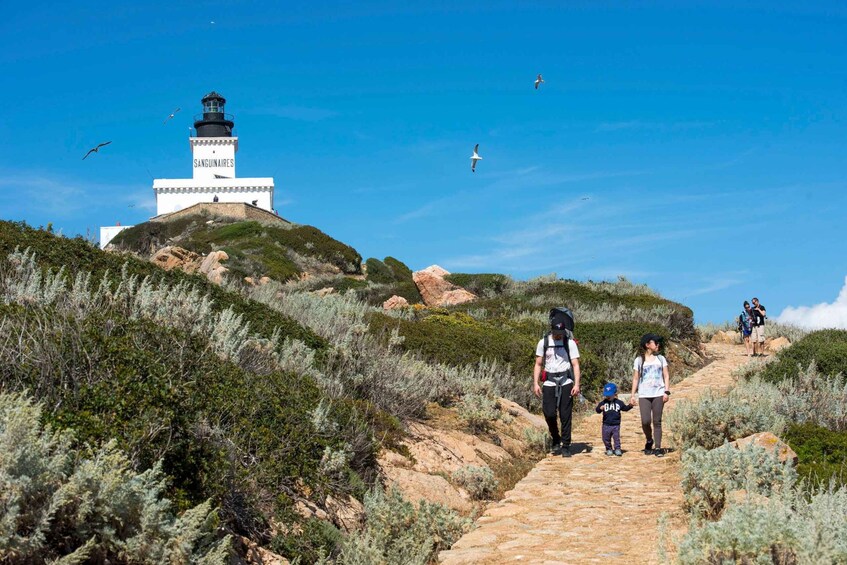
x,y
709,475
790,527
54,504
713,418
479,411
397,531
478,481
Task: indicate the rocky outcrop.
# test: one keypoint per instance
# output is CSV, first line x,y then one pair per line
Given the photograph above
x,y
438,292
726,337
439,447
347,513
171,257
394,303
774,345
212,268
769,442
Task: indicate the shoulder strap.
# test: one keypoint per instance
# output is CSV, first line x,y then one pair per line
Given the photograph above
x,y
544,351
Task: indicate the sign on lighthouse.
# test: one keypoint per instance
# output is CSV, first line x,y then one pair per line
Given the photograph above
x,y
213,150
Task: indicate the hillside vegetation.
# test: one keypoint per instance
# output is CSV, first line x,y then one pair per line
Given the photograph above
x,y
248,401
255,249
783,514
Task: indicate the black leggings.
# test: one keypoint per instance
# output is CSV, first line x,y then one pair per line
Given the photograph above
x,y
548,407
651,409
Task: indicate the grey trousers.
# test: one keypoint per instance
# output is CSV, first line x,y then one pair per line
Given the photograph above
x,y
651,412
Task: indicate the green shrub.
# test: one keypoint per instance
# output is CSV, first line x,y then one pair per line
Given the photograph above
x,y
478,481
822,453
397,531
457,339
399,269
56,504
827,348
378,272
487,285
309,541
709,475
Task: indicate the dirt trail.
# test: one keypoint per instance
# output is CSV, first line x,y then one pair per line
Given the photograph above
x,y
592,508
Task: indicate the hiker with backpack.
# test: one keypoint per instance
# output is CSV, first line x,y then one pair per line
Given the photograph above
x,y
651,380
556,378
745,326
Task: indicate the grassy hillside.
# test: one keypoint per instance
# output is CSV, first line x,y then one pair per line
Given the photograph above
x,y
254,249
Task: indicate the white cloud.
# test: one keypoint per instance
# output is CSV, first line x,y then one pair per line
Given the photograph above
x,y
819,316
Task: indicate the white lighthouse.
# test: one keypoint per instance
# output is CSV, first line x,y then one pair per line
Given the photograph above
x,y
213,150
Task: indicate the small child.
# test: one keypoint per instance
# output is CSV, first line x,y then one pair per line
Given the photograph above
x,y
611,408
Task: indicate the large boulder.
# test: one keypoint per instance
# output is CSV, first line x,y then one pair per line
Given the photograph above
x,y
769,442
394,303
172,257
438,292
774,345
212,268
726,337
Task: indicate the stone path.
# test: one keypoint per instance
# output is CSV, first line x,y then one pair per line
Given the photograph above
x,y
592,508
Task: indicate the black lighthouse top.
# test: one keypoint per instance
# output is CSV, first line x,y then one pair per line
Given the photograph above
x,y
214,122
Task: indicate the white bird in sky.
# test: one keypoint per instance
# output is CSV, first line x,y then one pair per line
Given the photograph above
x,y
170,117
95,149
538,80
475,157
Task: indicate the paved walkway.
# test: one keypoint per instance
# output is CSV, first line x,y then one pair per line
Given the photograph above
x,y
592,508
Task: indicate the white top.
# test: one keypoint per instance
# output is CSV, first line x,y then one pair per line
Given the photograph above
x,y
556,359
651,384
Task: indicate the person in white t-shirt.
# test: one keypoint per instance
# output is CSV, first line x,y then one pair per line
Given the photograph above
x,y
651,380
561,383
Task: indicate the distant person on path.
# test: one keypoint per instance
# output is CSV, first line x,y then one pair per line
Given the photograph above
x,y
557,361
611,409
651,380
758,334
215,199
745,326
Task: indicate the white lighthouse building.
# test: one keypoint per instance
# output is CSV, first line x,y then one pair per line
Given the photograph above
x,y
213,149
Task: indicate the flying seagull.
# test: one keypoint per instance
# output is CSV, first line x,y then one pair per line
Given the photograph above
x,y
538,80
475,157
95,149
171,116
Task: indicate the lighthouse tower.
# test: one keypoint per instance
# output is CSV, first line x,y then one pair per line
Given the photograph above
x,y
213,149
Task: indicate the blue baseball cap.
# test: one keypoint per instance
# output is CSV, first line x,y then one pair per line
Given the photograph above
x,y
610,389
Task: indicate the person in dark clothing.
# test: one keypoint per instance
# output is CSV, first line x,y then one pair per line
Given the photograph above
x,y
559,362
611,408
758,335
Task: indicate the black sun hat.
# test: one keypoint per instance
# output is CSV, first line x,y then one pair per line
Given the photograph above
x,y
647,338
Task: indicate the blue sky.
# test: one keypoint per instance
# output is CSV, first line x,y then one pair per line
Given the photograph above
x,y
701,150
